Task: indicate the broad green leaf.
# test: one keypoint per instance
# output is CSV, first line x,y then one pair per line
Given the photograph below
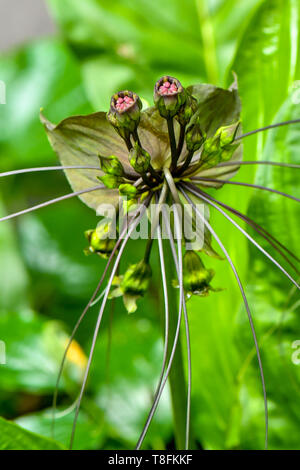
x,y
13,437
89,430
227,102
211,98
34,349
265,64
79,140
154,136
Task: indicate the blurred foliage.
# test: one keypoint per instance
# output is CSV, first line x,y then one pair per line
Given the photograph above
x,y
46,280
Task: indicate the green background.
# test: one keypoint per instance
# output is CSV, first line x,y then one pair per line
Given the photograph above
x,y
45,279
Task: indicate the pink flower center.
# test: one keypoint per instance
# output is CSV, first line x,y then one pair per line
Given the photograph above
x,y
168,88
124,103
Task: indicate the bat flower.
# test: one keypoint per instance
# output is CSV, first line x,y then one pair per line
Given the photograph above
x,y
162,161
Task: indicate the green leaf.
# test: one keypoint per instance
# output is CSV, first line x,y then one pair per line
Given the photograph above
x,y
227,102
34,349
79,140
89,429
13,437
154,136
265,63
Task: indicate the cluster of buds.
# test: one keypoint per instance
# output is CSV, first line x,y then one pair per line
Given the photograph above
x,y
133,285
221,146
171,101
102,239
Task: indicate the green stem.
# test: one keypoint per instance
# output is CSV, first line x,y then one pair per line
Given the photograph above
x,y
148,250
186,163
172,142
181,140
177,376
208,40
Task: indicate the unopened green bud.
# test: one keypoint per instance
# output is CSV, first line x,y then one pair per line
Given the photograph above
x,y
227,134
136,279
194,136
111,165
111,181
187,110
169,96
132,285
220,147
196,278
212,145
102,240
127,190
125,112
139,159
228,151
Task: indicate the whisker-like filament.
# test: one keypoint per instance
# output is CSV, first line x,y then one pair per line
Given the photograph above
x,y
248,185
196,167
194,190
189,385
52,201
90,304
49,168
261,231
100,315
176,336
258,162
100,296
266,128
188,343
216,237
178,266
166,339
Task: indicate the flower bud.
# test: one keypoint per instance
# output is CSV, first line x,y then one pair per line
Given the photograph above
x,y
110,181
127,190
196,278
139,159
111,165
187,110
227,134
125,112
102,240
220,147
169,96
132,285
194,136
228,151
211,147
136,279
